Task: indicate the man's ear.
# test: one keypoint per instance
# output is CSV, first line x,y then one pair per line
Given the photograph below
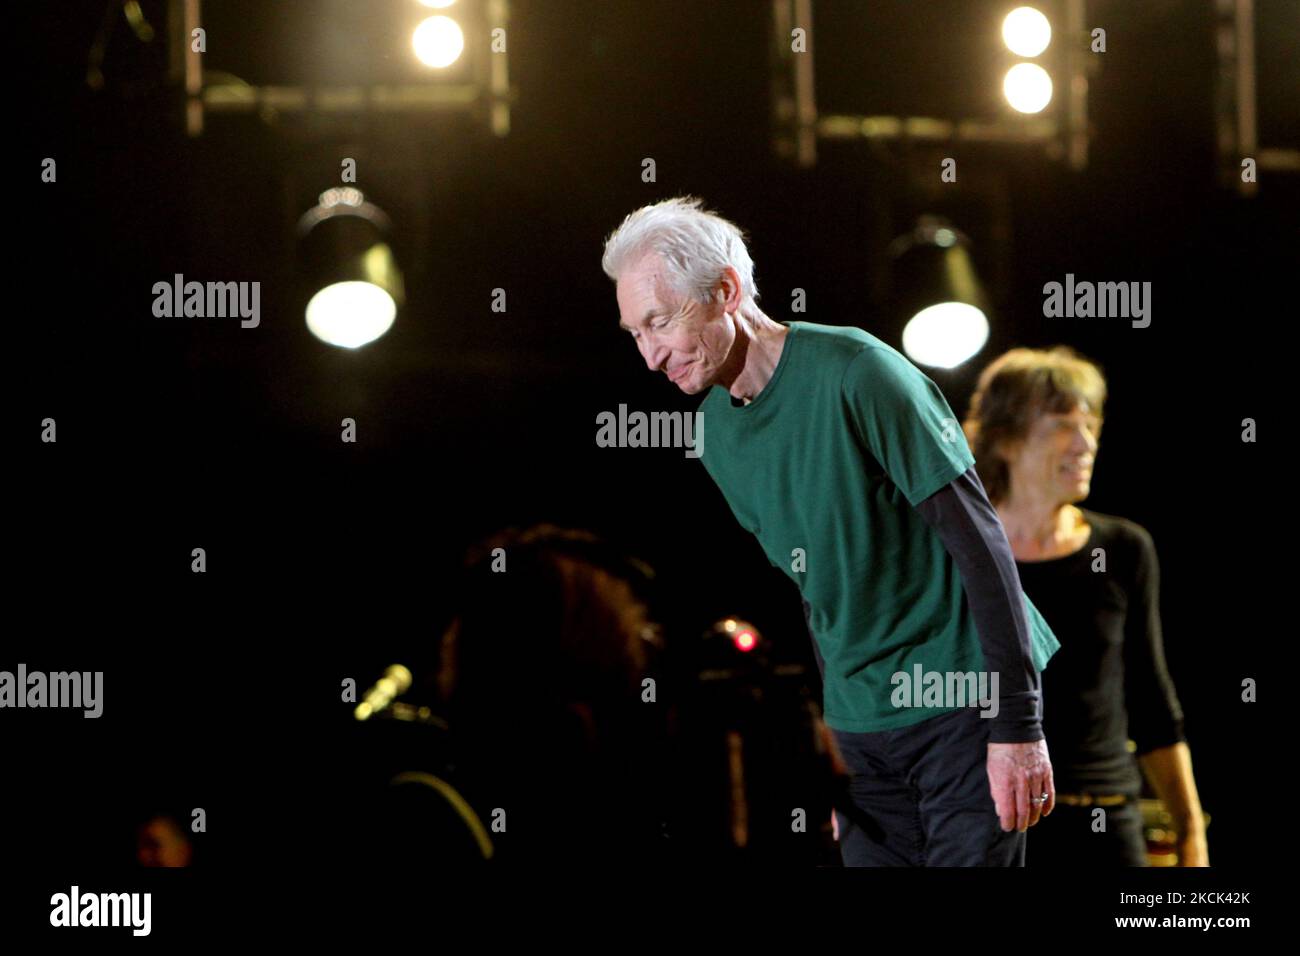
x,y
1007,451
720,294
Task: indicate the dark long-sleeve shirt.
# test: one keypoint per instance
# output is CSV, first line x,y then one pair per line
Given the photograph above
x,y
1108,682
960,513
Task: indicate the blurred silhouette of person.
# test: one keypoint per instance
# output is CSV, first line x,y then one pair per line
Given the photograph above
x,y
540,684
162,841
1035,425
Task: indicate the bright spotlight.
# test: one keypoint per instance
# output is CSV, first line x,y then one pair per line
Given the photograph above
x,y
438,4
1026,31
936,288
350,314
354,279
1027,87
945,335
438,41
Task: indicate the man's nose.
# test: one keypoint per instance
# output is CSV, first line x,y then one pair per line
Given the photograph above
x,y
654,355
1083,439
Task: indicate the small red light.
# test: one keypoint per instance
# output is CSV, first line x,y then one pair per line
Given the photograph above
x,y
745,640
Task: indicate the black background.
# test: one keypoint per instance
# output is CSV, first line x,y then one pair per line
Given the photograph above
x,y
329,560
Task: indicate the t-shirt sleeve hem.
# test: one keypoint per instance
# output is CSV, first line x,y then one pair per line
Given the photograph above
x,y
943,476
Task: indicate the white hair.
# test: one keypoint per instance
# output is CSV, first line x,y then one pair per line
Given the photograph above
x,y
695,245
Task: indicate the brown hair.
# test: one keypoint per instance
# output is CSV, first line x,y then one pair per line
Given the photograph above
x,y
1016,388
562,626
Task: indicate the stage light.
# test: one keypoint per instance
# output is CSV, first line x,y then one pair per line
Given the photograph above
x,y
743,635
945,335
350,314
358,286
1026,32
935,285
1027,87
438,41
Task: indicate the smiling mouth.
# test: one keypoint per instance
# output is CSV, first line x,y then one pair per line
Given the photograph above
x,y
674,375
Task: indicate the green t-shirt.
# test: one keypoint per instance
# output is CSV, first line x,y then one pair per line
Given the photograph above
x,y
824,467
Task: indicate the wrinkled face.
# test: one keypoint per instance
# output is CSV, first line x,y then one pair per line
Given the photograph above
x,y
1056,457
686,340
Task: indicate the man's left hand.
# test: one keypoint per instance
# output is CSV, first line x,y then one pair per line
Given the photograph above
x,y
1017,774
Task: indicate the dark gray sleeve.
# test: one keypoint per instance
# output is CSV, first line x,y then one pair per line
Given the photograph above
x,y
1155,718
960,513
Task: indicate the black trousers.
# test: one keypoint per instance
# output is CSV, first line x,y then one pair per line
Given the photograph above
x,y
1072,837
920,797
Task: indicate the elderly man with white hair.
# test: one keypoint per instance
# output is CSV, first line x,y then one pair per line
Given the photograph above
x,y
848,465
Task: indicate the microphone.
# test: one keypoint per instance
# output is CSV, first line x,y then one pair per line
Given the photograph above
x,y
395,682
